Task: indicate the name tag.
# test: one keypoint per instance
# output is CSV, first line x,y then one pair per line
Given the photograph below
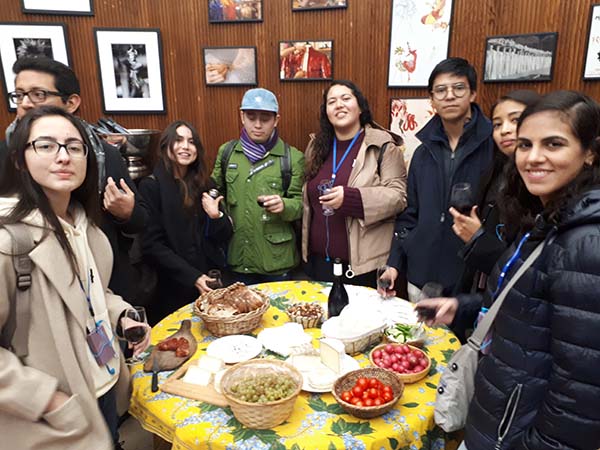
x,y
100,345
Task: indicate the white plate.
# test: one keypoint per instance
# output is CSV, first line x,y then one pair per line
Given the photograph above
x,y
286,339
312,364
235,348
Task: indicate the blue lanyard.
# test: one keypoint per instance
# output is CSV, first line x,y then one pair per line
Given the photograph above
x,y
336,165
509,263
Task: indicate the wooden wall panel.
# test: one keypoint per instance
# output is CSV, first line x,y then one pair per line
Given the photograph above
x,y
361,40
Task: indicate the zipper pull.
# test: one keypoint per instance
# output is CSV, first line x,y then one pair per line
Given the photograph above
x,y
91,275
443,217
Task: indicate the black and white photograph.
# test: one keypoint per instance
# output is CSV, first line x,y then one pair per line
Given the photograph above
x,y
19,40
224,11
520,57
62,7
227,66
308,5
131,73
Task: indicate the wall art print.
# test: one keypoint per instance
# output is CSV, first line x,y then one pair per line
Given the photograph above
x,y
407,117
224,11
62,7
230,66
311,5
591,69
305,60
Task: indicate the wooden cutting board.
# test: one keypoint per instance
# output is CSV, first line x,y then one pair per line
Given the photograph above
x,y
167,359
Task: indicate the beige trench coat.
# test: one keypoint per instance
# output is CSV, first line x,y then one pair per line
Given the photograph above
x,y
57,353
383,197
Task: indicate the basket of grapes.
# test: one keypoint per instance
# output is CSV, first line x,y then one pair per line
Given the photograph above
x,y
261,392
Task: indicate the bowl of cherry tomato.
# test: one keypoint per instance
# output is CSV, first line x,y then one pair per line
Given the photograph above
x,y
409,363
367,393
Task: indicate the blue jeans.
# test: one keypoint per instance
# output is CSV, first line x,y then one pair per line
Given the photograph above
x,y
108,406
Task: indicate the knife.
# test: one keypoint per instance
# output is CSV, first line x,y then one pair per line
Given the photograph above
x,y
155,370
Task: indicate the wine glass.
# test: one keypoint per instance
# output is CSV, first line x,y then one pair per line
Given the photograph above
x,y
324,187
135,328
461,198
431,289
383,283
263,191
216,274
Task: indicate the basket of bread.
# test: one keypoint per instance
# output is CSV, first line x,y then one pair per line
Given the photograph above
x,y
236,309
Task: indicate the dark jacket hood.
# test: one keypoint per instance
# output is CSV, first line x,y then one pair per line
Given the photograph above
x,y
583,210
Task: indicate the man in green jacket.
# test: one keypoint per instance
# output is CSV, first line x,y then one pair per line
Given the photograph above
x,y
261,178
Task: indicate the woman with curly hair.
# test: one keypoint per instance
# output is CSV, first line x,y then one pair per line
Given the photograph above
x,y
355,185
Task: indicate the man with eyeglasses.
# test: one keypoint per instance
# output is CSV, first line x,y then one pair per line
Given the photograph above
x,y
44,81
456,147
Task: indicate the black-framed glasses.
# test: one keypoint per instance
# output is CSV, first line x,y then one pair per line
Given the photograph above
x,y
35,95
441,92
46,147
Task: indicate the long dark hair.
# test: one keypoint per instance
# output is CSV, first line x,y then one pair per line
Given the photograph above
x,y
196,178
582,113
16,180
324,138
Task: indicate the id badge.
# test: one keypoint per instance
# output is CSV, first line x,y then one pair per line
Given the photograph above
x,y
100,345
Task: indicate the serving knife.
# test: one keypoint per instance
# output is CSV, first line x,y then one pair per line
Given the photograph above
x,y
155,370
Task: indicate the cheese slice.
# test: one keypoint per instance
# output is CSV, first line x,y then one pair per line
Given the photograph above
x,y
196,375
332,352
210,363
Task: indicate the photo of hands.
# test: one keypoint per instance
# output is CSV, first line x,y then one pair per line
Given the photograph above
x,y
230,66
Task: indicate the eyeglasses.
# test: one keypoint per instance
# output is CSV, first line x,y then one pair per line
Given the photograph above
x,y
441,92
45,147
35,95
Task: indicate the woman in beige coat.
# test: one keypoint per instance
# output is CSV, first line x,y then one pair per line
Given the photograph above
x,y
355,186
57,396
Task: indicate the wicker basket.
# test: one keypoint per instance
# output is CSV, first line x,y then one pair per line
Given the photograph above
x,y
236,324
346,382
261,415
356,345
407,378
307,321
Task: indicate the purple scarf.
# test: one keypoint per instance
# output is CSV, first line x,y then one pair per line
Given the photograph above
x,y
254,151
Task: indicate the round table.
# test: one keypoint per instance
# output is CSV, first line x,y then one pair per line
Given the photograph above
x,y
317,420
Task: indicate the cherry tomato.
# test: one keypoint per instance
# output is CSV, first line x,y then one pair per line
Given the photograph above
x,y
357,391
373,382
373,393
377,402
387,397
347,396
360,403
355,400
369,402
387,388
362,382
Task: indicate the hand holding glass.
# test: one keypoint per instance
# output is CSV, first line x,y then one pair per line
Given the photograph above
x,y
216,275
324,187
264,191
461,198
135,328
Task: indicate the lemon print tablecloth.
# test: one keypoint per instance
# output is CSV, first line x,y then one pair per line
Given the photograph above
x,y
317,421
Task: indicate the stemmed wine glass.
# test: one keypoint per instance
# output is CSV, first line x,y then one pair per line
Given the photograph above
x,y
216,275
324,187
135,328
461,198
263,191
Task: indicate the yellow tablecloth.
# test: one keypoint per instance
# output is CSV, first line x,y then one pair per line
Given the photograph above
x,y
317,421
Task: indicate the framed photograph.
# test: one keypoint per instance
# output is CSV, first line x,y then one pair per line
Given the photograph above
x,y
18,40
130,70
591,65
230,66
62,7
520,57
407,117
228,11
305,60
419,39
311,5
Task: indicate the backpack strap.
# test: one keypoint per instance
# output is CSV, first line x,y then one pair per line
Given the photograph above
x,y
225,158
16,330
286,169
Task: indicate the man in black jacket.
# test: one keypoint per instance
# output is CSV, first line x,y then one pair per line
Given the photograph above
x,y
43,81
456,148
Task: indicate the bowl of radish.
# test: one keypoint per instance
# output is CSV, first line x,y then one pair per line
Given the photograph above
x,y
409,363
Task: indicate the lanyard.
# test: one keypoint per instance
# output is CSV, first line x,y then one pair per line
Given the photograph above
x,y
336,165
86,293
509,263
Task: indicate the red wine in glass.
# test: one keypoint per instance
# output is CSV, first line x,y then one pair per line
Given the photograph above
x,y
461,198
135,334
260,203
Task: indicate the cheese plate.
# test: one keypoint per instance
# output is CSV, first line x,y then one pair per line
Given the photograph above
x,y
235,348
317,377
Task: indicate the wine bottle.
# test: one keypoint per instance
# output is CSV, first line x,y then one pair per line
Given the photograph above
x,y
338,297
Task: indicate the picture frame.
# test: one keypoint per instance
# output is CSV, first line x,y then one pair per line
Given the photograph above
x,y
235,11
295,64
419,40
58,7
130,70
316,5
18,40
519,57
230,66
408,115
591,63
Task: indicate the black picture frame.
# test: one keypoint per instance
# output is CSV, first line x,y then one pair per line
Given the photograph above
x,y
289,69
53,35
60,11
236,65
591,58
520,57
121,92
318,6
226,16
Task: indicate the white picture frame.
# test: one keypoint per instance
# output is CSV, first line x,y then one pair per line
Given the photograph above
x,y
25,39
62,7
419,40
408,115
130,70
591,64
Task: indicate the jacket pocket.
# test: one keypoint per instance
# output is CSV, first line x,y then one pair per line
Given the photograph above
x,y
232,196
279,248
68,417
508,417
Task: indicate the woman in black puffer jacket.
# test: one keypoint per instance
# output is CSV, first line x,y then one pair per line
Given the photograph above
x,y
538,387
